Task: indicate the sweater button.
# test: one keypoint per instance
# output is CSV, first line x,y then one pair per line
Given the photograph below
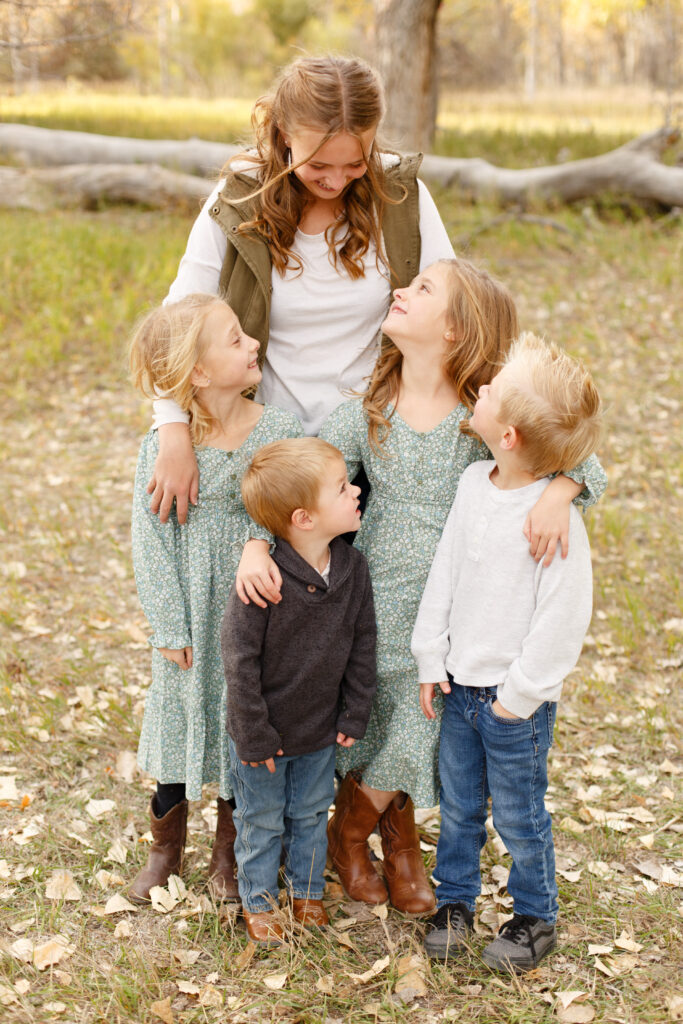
x,y
311,589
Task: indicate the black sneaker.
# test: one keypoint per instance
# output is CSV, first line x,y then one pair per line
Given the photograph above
x,y
448,931
520,944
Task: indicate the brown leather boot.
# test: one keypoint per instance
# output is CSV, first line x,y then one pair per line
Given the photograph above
x,y
166,852
263,928
354,818
222,868
404,870
310,913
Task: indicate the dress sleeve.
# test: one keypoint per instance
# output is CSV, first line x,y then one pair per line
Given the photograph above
x,y
360,675
157,562
435,243
594,479
346,428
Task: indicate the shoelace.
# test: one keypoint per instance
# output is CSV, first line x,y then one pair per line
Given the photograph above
x,y
518,930
450,916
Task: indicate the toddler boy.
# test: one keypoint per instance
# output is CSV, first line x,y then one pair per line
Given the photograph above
x,y
498,633
300,676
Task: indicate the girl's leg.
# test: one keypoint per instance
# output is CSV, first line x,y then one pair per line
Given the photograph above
x,y
166,852
167,796
380,798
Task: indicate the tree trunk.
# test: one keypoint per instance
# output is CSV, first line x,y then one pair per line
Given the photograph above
x,y
405,55
128,170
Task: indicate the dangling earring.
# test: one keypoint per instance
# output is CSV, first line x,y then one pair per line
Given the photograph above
x,y
288,158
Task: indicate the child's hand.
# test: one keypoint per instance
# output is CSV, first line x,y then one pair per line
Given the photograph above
x,y
499,710
269,762
176,474
345,741
548,521
427,696
182,657
257,575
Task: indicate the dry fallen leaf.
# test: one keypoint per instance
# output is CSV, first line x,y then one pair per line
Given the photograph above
x,y
674,1005
372,972
411,975
22,986
275,981
8,787
63,977
246,955
577,1013
8,996
122,930
325,984
375,844
380,911
126,764
61,886
190,988
55,1007
188,957
98,808
210,996
117,852
162,900
596,950
51,952
118,904
162,1010
626,942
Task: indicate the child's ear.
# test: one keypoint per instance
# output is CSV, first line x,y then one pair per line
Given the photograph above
x,y
301,519
198,378
510,439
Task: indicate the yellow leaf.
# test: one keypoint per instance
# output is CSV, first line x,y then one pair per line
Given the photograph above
x,y
380,911
162,1010
571,825
372,972
410,970
51,952
275,981
117,852
190,988
343,939
246,955
61,886
162,900
325,984
210,996
118,904
626,942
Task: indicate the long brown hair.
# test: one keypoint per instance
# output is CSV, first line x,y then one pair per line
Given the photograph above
x,y
481,319
329,95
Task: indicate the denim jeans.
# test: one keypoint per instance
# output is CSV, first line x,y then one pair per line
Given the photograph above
x,y
288,807
483,755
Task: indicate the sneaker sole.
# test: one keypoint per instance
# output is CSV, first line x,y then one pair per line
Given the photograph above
x,y
442,951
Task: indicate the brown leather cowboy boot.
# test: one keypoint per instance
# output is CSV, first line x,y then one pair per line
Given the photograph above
x,y
354,818
264,928
310,913
166,852
404,870
222,868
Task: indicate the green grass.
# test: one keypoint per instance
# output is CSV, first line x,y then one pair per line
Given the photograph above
x,y
73,284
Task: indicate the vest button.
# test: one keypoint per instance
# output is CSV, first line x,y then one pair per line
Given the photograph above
x,y
311,589
233,228
216,209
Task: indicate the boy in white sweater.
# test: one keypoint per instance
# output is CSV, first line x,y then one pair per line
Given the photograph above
x,y
498,633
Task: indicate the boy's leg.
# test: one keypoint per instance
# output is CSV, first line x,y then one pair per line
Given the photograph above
x,y
258,818
309,794
464,796
517,759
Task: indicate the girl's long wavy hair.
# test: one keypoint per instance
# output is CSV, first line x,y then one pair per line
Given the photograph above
x,y
481,319
329,95
164,350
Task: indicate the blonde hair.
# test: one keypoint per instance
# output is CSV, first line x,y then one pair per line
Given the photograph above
x,y
164,350
481,319
283,476
330,95
551,401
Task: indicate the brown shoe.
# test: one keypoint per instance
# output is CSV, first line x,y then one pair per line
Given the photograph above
x,y
310,913
354,818
222,868
166,852
404,870
263,929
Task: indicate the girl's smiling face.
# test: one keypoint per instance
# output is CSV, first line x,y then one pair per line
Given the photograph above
x,y
326,171
230,355
418,313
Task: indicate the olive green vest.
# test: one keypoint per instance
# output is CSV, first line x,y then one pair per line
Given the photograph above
x,y
245,277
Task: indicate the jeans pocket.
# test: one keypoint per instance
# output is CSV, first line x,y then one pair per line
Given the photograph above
x,y
508,722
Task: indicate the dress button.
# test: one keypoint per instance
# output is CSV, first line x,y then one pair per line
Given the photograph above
x,y
311,589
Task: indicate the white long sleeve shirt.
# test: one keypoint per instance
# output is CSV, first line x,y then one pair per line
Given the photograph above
x,y
324,326
490,615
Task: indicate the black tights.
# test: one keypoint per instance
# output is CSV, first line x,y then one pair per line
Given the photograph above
x,y
169,795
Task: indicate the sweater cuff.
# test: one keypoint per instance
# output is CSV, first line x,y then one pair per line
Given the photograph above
x,y
172,641
431,668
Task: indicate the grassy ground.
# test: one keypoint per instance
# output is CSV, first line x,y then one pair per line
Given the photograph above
x,y
75,665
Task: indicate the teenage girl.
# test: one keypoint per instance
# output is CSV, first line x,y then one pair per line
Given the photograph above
x,y
197,352
449,331
299,237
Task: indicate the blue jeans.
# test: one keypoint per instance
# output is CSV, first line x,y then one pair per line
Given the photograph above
x,y
483,755
288,807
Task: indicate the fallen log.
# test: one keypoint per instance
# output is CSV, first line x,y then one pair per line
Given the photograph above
x,y
634,170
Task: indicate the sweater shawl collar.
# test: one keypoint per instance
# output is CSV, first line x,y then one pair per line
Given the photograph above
x,y
294,565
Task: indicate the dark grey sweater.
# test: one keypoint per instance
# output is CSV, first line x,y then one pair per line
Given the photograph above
x,y
303,670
